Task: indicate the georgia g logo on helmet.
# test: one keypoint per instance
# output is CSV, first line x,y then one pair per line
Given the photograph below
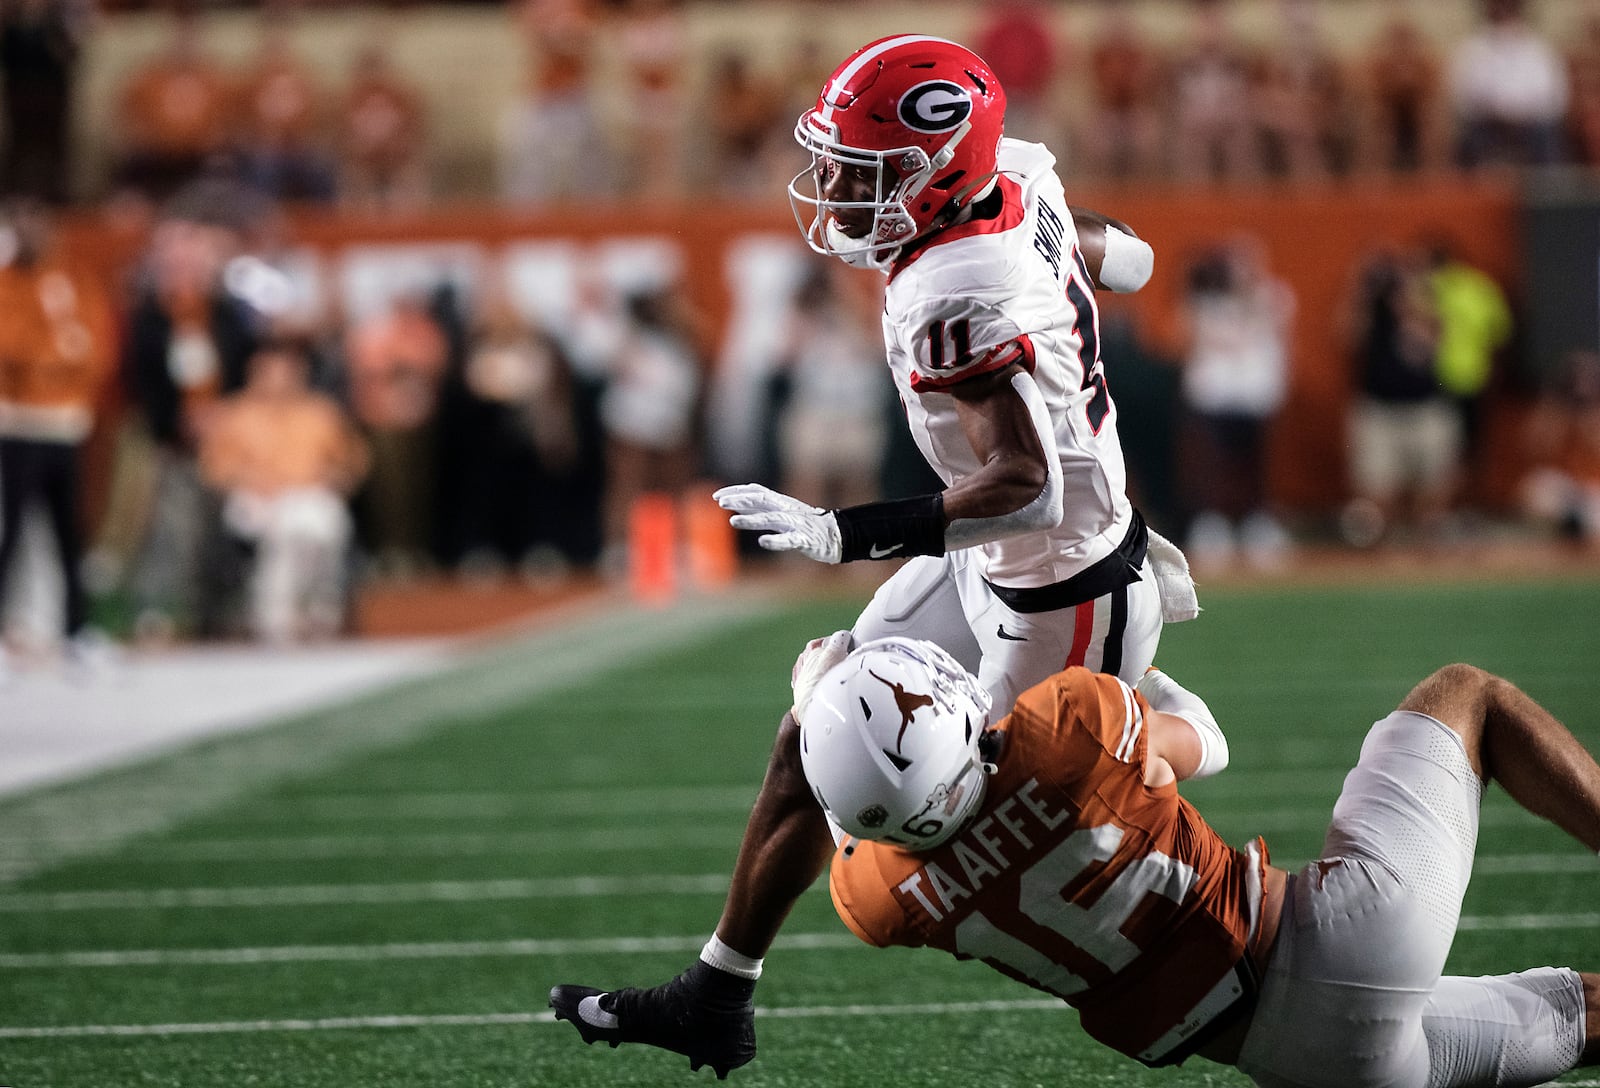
x,y
935,106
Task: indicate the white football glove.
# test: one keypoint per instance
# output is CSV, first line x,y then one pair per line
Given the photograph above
x,y
820,655
789,524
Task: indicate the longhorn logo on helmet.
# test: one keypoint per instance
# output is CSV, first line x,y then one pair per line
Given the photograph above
x,y
906,702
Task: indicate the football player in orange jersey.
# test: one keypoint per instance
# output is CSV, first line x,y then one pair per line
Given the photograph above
x,y
1053,845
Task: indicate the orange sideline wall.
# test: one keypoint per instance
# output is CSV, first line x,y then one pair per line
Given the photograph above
x,y
1316,238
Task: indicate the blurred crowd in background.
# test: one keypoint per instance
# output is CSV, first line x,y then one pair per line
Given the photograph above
x,y
659,118
268,457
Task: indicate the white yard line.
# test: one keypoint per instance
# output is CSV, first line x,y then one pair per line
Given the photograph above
x,y
600,801
577,946
1512,864
298,895
336,1023
451,891
365,953
434,845
624,839
1501,922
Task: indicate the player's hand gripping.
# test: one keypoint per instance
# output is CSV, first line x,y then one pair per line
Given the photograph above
x,y
789,525
820,655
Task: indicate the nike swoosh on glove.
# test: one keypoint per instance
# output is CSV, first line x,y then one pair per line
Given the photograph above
x,y
789,524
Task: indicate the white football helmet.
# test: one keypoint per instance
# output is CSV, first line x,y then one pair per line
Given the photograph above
x,y
890,743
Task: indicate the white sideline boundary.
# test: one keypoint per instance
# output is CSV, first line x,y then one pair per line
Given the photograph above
x,y
52,825
338,1023
576,946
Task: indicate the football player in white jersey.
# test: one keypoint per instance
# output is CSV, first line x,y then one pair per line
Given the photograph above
x,y
1031,559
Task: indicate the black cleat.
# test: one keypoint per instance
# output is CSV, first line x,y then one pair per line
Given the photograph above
x,y
704,1014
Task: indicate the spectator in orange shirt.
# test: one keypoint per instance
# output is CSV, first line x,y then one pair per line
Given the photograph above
x,y
1123,134
1406,130
285,458
56,351
396,364
1301,101
279,111
381,137
174,115
745,158
1583,76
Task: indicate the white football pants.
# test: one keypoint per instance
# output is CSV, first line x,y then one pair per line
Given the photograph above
x,y
946,601
1352,996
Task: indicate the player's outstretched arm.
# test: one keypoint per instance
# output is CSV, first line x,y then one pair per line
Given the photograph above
x,y
1017,487
1118,259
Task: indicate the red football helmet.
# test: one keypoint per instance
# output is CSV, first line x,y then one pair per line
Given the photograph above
x,y
918,120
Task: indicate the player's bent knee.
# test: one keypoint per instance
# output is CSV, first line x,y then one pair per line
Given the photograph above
x,y
1454,695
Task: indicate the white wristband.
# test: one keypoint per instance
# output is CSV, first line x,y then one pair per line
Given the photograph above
x,y
1128,262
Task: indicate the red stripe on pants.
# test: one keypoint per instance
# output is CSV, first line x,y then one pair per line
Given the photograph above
x,y
1082,629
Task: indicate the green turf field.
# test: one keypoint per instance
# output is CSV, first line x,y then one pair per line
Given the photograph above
x,y
383,896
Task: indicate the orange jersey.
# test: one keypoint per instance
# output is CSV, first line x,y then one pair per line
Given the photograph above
x,y
1077,878
177,107
56,352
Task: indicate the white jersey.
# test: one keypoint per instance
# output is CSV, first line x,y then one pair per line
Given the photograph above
x,y
981,295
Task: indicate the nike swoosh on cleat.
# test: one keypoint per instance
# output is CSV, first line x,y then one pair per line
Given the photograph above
x,y
876,552
1001,631
591,1013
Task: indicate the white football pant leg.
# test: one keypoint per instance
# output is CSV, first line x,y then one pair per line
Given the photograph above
x,y
1366,930
1504,1031
920,600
